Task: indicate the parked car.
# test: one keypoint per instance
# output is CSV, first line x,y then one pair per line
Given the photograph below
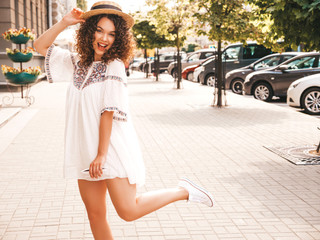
x,y
135,63
165,59
143,64
233,56
275,81
194,58
187,73
235,78
199,69
305,93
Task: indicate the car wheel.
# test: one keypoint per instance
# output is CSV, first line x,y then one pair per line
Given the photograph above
x,y
237,86
263,91
190,76
210,79
310,101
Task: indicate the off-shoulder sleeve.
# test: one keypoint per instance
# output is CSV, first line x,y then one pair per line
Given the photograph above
x,y
115,92
59,64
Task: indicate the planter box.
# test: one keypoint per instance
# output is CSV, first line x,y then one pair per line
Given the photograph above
x,y
20,78
20,57
20,39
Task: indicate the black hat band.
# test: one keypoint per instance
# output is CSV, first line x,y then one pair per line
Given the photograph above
x,y
106,6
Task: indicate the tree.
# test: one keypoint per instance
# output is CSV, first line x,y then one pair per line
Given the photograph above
x,y
296,21
227,20
82,4
173,19
147,38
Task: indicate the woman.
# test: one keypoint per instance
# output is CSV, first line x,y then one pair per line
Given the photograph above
x,y
101,147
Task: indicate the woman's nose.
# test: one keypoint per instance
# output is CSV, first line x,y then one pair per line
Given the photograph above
x,y
105,37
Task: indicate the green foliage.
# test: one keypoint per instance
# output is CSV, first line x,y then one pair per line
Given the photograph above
x,y
147,37
172,18
229,20
296,21
82,4
191,47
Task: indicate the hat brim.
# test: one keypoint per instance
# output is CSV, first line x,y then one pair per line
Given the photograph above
x,y
126,17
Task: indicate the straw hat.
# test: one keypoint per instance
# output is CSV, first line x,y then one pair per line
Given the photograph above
x,y
108,7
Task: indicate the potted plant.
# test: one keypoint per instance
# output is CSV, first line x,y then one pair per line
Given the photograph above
x,y
18,76
24,55
21,36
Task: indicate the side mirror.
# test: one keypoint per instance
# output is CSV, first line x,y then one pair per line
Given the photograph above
x,y
283,67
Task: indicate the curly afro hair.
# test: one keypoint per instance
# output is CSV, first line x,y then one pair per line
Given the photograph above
x,y
122,48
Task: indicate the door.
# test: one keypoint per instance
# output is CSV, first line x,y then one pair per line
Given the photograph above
x,y
165,60
297,68
230,58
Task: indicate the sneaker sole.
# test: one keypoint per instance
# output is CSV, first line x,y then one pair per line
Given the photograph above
x,y
199,188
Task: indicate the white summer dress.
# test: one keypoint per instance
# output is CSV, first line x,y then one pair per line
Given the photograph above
x,y
93,90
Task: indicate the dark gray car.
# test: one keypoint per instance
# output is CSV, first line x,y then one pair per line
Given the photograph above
x,y
235,78
275,81
234,56
165,60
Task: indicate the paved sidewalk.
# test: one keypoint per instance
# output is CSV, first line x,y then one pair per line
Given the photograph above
x,y
258,194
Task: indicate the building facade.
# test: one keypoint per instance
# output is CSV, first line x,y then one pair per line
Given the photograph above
x,y
37,15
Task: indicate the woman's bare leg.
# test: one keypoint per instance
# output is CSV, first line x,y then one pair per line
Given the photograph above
x,y
93,194
131,207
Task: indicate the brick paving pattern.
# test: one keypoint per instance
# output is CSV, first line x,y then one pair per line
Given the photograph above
x,y
258,194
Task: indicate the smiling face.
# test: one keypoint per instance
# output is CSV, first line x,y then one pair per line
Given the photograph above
x,y
104,37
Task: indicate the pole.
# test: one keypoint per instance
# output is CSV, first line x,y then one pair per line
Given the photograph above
x,y
219,75
157,62
178,61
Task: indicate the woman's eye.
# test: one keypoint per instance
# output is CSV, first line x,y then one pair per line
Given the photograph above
x,y
98,30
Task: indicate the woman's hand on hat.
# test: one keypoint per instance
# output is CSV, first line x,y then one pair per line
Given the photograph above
x,y
73,17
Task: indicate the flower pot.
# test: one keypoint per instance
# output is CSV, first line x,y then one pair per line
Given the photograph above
x,y
20,57
21,78
20,39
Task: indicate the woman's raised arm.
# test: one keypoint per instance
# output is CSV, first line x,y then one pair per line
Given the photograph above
x,y
43,42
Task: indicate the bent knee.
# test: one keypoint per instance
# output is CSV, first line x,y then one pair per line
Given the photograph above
x,y
127,214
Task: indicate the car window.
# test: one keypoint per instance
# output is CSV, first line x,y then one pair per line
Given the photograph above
x,y
255,51
168,58
206,55
301,63
231,53
194,57
285,58
268,62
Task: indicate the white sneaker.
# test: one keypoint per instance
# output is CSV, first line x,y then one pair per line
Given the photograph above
x,y
196,193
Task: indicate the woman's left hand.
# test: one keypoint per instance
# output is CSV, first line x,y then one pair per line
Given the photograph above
x,y
96,165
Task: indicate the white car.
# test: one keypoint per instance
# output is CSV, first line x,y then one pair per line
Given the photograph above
x,y
196,73
305,93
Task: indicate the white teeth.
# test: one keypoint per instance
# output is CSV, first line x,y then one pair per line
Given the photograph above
x,y
102,45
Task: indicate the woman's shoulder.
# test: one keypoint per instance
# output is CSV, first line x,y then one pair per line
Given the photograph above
x,y
117,63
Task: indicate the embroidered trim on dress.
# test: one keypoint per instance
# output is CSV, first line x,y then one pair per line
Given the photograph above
x,y
97,74
116,78
46,63
122,117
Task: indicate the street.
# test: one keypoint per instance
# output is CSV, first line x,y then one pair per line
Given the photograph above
x,y
258,194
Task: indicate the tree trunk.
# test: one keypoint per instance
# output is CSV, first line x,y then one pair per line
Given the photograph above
x,y
178,62
157,64
219,75
146,68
